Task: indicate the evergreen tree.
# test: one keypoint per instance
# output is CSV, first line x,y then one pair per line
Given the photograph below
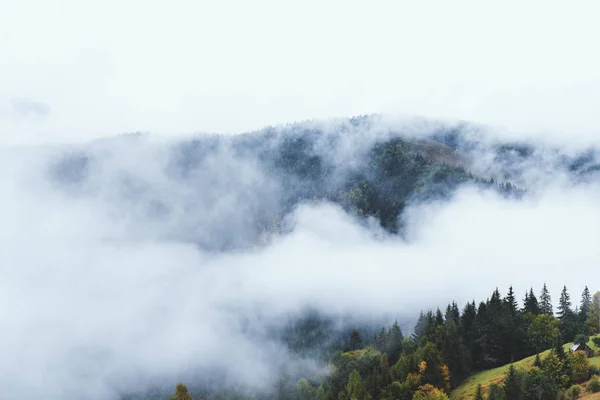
x,y
181,393
511,301
424,326
584,309
495,392
593,319
530,304
586,301
439,318
394,342
546,301
452,313
381,340
564,304
513,387
355,388
354,342
566,316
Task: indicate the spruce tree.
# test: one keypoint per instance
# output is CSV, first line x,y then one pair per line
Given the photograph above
x,y
421,328
564,304
495,392
511,301
586,300
584,309
354,342
566,316
513,387
546,301
530,304
439,318
393,345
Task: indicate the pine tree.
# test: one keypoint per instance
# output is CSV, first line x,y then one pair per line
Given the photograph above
x,y
566,316
394,342
586,301
584,309
381,340
511,301
181,393
593,318
538,361
546,301
513,387
495,392
564,304
355,342
530,304
439,318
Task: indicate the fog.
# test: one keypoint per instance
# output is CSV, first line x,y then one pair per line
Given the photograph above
x,y
102,293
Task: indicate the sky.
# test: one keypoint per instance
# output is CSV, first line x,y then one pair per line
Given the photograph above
x,y
71,71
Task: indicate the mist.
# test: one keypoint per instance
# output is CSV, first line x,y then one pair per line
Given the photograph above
x,y
131,263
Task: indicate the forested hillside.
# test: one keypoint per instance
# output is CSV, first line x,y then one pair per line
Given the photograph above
x,y
448,346
370,171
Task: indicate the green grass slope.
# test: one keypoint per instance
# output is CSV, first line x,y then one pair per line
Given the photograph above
x,y
466,391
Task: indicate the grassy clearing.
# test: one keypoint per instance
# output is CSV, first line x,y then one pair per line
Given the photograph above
x,y
466,391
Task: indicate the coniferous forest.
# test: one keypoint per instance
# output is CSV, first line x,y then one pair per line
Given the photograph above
x,y
450,344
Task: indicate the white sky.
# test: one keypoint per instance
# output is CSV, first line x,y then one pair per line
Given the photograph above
x,y
73,70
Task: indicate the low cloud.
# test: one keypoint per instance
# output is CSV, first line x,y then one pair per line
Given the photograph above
x,y
97,298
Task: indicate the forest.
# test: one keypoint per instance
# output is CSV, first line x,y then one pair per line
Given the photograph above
x,y
448,345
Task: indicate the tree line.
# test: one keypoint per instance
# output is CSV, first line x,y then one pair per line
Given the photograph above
x,y
448,346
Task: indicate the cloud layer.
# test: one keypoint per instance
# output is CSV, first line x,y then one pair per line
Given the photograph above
x,y
97,298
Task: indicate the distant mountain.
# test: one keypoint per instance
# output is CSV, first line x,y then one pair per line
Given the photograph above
x,y
231,192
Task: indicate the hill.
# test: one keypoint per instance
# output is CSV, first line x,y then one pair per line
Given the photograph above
x,y
467,389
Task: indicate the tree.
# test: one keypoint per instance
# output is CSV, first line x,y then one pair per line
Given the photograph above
x,y
581,339
429,392
593,317
513,386
542,332
355,388
321,394
586,301
355,342
566,316
564,304
422,327
181,393
495,392
306,391
596,341
530,303
546,301
579,364
393,344
511,301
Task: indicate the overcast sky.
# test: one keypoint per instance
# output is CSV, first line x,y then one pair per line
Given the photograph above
x,y
74,70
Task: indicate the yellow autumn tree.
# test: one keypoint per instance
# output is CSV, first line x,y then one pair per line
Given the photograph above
x,y
181,393
429,392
